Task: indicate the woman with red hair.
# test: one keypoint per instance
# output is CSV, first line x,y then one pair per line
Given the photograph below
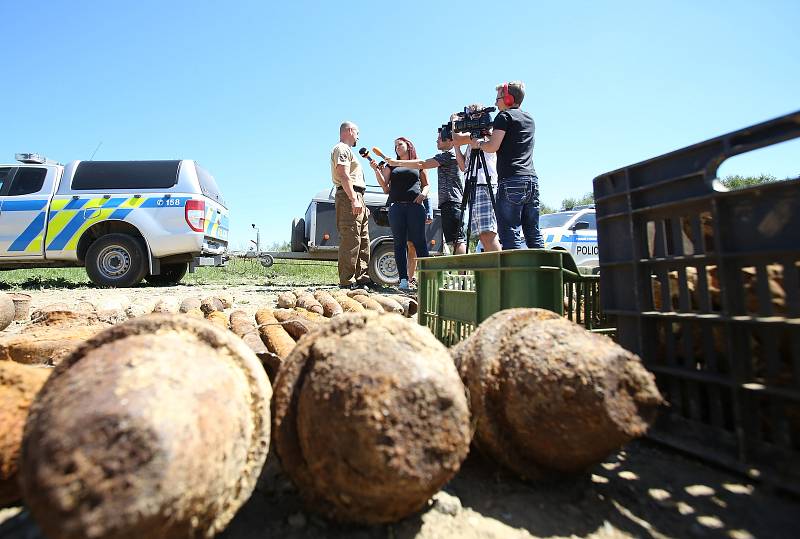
x,y
407,189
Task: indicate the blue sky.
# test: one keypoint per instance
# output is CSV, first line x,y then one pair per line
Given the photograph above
x,y
255,91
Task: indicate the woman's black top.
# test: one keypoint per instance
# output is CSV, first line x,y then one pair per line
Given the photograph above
x,y
404,185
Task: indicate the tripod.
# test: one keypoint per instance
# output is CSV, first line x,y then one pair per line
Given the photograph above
x,y
476,160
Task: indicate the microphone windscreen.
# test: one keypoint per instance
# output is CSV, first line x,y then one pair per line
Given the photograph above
x,y
379,152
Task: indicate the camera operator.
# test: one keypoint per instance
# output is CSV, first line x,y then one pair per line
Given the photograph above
x,y
352,215
450,191
518,192
483,222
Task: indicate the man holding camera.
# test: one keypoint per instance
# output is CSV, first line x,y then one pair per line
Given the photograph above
x,y
450,191
352,215
518,191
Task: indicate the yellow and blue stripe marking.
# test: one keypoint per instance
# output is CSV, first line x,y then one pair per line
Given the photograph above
x,y
69,218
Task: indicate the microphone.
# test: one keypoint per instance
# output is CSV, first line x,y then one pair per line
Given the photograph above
x,y
363,152
379,153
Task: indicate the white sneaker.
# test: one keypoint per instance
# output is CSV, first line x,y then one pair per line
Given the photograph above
x,y
403,284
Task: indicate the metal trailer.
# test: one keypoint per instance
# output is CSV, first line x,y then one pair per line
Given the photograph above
x,y
315,237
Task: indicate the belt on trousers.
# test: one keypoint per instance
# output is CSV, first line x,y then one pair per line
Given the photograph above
x,y
355,188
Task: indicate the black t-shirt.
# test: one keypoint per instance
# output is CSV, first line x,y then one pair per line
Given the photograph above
x,y
515,156
404,185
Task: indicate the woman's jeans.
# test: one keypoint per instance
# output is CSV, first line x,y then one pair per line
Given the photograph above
x,y
518,207
408,224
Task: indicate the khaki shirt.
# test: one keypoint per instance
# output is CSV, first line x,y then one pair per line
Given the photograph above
x,y
342,154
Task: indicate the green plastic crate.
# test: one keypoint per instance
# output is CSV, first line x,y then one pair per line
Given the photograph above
x,y
456,293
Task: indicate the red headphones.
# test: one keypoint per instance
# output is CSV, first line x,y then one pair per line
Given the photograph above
x,y
508,99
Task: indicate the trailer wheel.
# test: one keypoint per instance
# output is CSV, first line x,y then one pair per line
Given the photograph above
x,y
170,274
298,235
116,260
382,265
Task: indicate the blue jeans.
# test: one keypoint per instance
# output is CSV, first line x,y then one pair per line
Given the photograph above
x,y
408,224
518,208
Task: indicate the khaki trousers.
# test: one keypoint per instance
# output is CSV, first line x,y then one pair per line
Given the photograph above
x,y
353,240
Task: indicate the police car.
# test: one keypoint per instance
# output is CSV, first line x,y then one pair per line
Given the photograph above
x,y
124,221
574,231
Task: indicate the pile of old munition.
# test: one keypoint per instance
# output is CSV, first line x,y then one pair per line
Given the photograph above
x,y
159,426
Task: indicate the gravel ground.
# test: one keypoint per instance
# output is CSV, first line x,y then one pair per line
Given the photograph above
x,y
645,490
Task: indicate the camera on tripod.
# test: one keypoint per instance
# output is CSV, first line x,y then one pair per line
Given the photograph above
x,y
477,123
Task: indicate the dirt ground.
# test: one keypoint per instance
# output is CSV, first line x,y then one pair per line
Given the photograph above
x,y
644,490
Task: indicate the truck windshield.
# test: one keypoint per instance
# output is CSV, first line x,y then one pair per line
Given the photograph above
x,y
208,185
554,220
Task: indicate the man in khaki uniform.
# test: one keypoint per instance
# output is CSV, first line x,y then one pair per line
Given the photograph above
x,y
352,215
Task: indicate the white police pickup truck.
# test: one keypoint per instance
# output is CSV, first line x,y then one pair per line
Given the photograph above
x,y
124,221
574,231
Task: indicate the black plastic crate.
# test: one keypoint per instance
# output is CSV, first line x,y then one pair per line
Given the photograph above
x,y
704,287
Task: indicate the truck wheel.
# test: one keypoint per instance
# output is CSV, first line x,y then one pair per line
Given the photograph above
x,y
382,265
170,274
116,260
298,235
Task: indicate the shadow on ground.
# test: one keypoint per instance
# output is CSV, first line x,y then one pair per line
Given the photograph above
x,y
642,491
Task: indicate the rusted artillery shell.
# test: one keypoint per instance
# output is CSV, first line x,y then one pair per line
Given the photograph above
x,y
349,305
157,428
550,397
294,323
308,302
167,305
195,313
190,303
287,300
47,344
209,305
18,386
330,307
409,305
371,418
308,315
22,304
58,318
218,318
7,310
356,292
369,303
241,322
243,325
389,305
278,341
226,298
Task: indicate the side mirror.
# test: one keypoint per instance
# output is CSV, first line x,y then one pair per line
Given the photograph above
x,y
580,225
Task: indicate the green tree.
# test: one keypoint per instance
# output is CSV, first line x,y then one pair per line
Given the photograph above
x,y
570,203
545,209
736,181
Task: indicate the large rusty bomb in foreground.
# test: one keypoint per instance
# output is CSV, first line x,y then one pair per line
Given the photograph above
x,y
155,428
18,386
371,418
549,397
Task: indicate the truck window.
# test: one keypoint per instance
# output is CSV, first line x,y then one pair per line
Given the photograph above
x,y
590,218
104,175
208,185
4,174
27,181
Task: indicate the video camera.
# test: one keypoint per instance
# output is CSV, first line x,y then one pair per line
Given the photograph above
x,y
477,123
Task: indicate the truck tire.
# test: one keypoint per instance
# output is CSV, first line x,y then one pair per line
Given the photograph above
x,y
170,274
382,266
116,260
298,235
